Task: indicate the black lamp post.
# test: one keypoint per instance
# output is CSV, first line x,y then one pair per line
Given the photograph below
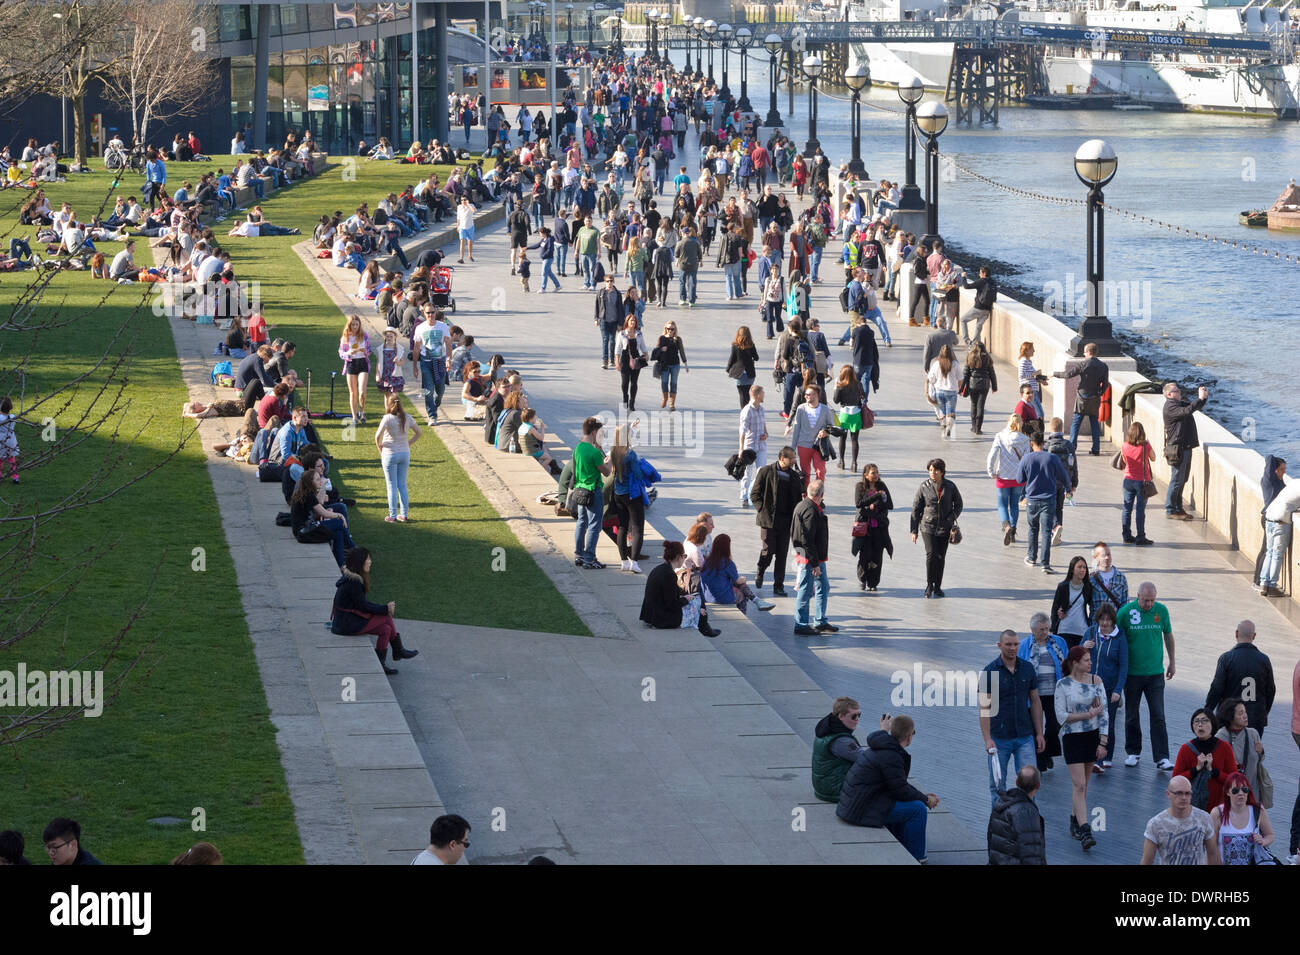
x,y
710,31
1095,164
812,68
697,25
744,40
724,38
774,45
857,78
618,26
591,34
910,92
931,120
651,34
568,24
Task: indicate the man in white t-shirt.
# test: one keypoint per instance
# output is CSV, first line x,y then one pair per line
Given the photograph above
x,y
124,266
1181,834
250,230
431,336
448,840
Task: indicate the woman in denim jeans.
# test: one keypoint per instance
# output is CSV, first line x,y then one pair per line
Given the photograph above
x,y
1003,465
670,353
1138,455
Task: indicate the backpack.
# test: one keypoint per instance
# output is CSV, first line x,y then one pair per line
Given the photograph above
x,y
220,369
270,472
599,272
844,298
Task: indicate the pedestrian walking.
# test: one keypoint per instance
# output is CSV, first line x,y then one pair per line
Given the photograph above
x,y
1205,760
1108,648
777,490
1054,443
935,510
1085,729
753,439
396,433
740,363
633,476
1072,604
944,377
1010,712
850,398
354,349
810,536
809,428
630,356
1247,674
590,466
1030,376
978,378
608,319
1247,748
1094,379
871,529
1016,831
1149,631
1242,829
1045,652
465,228
669,356
1181,834
1041,473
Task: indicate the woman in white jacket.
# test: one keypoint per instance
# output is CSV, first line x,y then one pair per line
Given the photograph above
x,y
808,424
1003,465
944,376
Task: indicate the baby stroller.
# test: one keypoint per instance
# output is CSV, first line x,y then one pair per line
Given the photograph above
x,y
440,288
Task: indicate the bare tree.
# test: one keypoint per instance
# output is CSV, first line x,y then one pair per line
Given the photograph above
x,y
161,69
36,578
78,39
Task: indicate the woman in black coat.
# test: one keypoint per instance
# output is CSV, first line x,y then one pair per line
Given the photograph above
x,y
1072,604
935,510
742,358
874,502
670,601
921,288
353,614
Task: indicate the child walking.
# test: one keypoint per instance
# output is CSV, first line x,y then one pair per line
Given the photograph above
x,y
8,439
525,268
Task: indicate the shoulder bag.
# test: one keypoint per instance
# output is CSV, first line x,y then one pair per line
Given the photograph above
x,y
1149,489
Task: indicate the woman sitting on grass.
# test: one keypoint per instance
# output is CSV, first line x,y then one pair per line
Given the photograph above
x,y
353,614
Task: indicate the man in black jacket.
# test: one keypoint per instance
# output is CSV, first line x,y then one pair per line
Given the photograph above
x,y
776,493
1180,439
986,293
876,792
1246,673
1094,377
1016,832
811,539
609,318
519,224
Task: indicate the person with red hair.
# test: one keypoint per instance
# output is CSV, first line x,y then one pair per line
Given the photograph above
x,y
1241,826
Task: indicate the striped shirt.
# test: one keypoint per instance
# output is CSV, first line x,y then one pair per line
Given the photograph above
x,y
752,426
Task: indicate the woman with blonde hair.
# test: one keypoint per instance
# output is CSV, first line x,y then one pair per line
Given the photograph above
x,y
354,349
1003,466
945,378
1031,376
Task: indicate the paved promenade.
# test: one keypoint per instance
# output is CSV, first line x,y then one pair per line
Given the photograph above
x,y
551,338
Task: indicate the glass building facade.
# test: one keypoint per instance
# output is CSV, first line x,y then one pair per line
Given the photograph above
x,y
356,88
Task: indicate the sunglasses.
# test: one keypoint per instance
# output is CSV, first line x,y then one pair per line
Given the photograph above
x,y
1243,790
852,716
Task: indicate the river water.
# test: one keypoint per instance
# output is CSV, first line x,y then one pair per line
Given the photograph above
x,y
1188,309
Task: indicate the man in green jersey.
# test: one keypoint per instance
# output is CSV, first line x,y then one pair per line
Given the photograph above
x,y
1148,630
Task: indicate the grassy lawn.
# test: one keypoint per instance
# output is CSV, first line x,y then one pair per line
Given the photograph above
x,y
438,568
190,728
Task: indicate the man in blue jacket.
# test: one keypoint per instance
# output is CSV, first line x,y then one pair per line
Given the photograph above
x,y
876,792
1041,472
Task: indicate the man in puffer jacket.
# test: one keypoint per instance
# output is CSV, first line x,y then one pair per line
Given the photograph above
x,y
1016,830
876,792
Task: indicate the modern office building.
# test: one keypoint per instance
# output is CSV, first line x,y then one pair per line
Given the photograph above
x,y
342,70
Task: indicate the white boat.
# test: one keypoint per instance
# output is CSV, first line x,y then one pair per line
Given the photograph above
x,y
1191,81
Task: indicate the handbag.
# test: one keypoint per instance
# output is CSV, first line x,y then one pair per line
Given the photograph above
x,y
578,497
736,369
954,535
1149,489
1117,462
860,528
1264,788
868,417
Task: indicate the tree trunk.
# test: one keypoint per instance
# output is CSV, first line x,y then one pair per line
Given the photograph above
x,y
79,132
